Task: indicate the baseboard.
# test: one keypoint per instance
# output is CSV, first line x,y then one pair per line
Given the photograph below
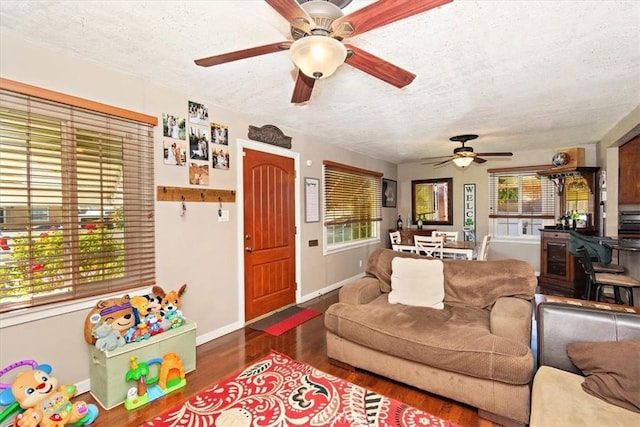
x,y
325,290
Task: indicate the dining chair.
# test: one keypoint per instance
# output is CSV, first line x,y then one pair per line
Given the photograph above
x,y
450,236
429,245
396,243
600,281
484,248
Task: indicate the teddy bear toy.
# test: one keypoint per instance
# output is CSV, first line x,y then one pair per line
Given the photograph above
x,y
46,404
107,338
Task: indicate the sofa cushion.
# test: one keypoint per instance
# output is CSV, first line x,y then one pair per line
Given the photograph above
x,y
476,283
456,338
612,370
418,282
557,399
379,265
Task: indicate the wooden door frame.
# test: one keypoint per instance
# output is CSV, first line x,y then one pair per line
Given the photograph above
x,y
278,151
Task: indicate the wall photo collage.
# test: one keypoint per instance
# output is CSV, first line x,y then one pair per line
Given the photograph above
x,y
195,141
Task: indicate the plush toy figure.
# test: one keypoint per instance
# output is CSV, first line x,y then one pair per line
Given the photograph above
x,y
141,308
115,311
46,404
171,302
107,338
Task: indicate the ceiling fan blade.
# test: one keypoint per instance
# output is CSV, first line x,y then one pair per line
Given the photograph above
x,y
242,54
505,154
292,12
442,163
378,67
303,88
478,160
380,13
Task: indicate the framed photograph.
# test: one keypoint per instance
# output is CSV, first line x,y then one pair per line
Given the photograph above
x,y
389,193
312,199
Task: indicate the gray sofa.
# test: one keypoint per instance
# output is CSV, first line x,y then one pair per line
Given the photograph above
x,y
558,397
476,350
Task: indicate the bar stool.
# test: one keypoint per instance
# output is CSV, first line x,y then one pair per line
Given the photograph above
x,y
600,280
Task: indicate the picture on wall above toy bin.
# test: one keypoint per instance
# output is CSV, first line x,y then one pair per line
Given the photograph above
x,y
115,322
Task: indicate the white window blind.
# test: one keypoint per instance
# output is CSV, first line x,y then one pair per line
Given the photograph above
x,y
352,203
520,201
76,192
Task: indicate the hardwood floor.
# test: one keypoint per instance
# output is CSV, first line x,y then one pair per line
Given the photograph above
x,y
222,357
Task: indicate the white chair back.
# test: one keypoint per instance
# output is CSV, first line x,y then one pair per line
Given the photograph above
x,y
484,248
429,245
396,243
395,238
450,236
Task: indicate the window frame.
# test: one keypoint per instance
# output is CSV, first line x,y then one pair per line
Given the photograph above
x,y
375,206
531,221
15,313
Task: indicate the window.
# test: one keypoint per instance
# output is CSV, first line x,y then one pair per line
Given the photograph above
x,y
352,206
521,202
76,192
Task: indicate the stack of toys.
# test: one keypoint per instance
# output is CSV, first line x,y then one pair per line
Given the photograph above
x,y
115,322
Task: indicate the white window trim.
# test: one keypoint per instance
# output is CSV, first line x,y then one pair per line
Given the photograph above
x,y
31,314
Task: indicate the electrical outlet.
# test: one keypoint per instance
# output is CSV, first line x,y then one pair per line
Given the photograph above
x,y
360,263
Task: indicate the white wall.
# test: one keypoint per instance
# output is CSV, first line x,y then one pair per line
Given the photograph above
x,y
195,248
477,174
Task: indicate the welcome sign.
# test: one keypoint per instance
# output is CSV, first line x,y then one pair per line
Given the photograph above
x,y
469,212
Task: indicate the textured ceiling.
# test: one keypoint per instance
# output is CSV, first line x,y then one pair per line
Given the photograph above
x,y
521,74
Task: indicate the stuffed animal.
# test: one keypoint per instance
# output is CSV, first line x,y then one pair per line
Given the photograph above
x,y
115,311
140,308
107,338
171,300
46,404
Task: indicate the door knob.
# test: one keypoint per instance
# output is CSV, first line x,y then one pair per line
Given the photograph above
x,y
248,249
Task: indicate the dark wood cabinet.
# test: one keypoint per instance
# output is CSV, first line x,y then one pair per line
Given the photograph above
x,y
629,178
560,272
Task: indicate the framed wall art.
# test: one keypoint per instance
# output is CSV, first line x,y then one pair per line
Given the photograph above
x,y
312,199
389,193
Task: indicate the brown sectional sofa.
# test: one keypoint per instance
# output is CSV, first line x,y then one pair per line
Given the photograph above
x,y
476,350
558,397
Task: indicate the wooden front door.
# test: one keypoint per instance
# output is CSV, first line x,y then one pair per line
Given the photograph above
x,y
269,232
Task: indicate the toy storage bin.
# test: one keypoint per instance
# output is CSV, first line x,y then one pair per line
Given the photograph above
x,y
109,368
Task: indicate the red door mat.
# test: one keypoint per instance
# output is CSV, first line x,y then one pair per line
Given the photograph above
x,y
278,391
285,320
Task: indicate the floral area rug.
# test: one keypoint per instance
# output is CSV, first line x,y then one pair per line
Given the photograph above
x,y
279,391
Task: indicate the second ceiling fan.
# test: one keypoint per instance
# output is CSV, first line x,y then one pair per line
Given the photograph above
x,y
463,156
318,28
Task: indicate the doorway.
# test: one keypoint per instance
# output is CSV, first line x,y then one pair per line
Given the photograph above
x,y
268,230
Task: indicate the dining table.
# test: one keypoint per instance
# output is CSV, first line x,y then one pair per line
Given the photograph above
x,y
455,248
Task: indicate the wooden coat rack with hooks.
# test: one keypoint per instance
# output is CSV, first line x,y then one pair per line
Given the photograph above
x,y
184,194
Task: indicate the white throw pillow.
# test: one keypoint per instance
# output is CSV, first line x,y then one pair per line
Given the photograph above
x,y
418,282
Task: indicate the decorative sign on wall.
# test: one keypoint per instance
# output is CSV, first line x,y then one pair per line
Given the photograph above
x,y
269,134
469,196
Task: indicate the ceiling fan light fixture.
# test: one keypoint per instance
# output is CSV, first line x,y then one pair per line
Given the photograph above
x,y
463,162
318,56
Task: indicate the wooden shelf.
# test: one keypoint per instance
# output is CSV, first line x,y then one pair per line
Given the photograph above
x,y
184,194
